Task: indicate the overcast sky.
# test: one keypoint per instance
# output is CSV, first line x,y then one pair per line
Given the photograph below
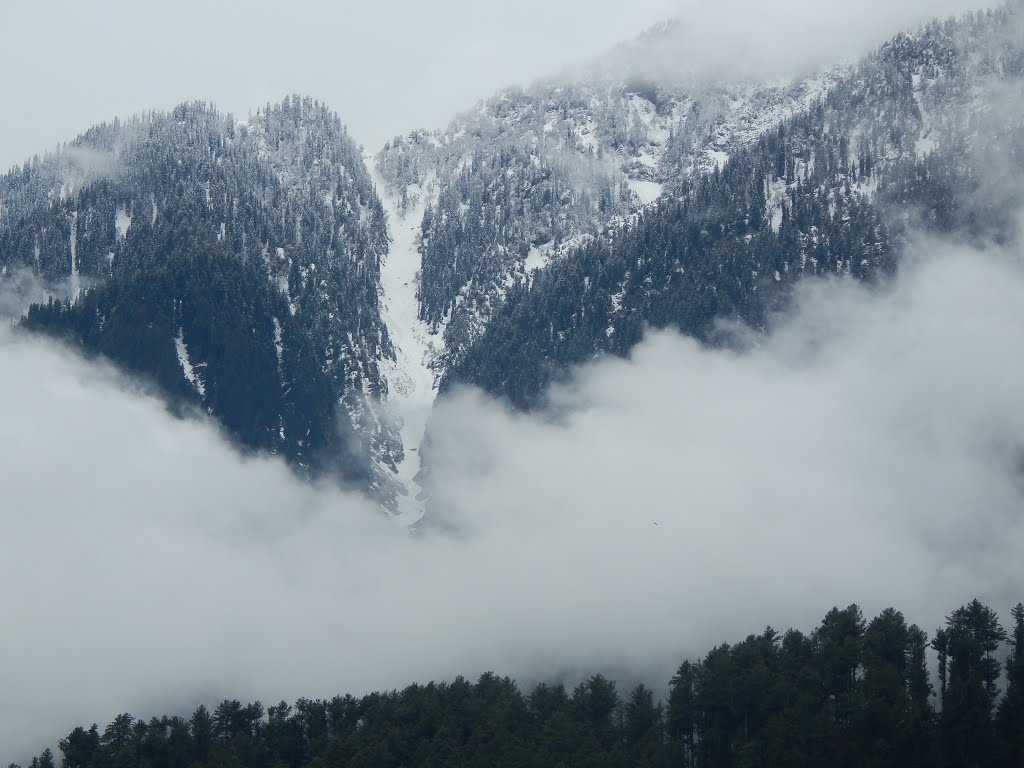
x,y
387,65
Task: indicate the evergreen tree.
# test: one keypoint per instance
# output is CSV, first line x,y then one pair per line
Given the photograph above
x,y
80,747
971,637
1011,708
682,720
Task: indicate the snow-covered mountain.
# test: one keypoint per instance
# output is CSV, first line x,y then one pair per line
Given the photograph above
x,y
532,173
262,272
237,264
914,134
559,218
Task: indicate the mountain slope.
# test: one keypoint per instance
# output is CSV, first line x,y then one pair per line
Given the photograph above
x,y
252,271
238,265
411,375
529,174
908,137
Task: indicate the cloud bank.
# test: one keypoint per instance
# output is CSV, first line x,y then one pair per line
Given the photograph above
x,y
870,450
20,288
763,41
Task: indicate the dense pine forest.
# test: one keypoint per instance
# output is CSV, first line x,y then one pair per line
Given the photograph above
x,y
534,173
850,693
234,264
906,142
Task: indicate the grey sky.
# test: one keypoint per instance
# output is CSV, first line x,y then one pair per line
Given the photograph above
x,y
388,66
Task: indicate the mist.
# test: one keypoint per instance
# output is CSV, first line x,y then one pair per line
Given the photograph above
x,y
742,39
869,450
386,67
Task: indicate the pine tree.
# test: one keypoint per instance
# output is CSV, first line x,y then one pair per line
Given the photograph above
x,y
971,637
202,733
682,713
642,717
80,747
1010,718
918,748
886,696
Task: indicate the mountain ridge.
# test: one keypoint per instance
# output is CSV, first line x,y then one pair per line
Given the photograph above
x,y
261,270
280,338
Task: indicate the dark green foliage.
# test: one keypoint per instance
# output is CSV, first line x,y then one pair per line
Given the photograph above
x,y
690,263
1010,720
253,250
500,193
45,760
497,207
849,694
80,747
903,141
969,675
897,717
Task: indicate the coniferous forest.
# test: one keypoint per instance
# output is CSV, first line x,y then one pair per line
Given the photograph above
x,y
236,265
833,190
853,692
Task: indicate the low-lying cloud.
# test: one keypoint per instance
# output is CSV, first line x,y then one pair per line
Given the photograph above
x,y
20,288
870,450
742,39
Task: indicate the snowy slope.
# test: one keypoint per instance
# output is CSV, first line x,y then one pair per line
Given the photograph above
x,y
530,174
410,376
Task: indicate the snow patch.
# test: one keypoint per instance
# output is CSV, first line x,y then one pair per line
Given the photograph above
x,y
279,344
410,376
76,282
186,364
646,191
925,146
717,158
538,257
776,200
122,222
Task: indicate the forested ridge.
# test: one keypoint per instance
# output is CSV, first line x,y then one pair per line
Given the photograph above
x,y
236,264
911,140
532,173
763,185
851,693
